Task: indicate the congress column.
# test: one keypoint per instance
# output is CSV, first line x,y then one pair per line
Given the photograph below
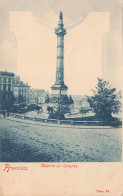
x,y
59,88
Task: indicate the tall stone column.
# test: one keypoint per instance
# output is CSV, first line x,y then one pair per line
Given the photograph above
x,y
59,88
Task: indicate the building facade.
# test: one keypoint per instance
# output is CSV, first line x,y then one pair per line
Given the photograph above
x,y
6,81
21,90
37,96
59,88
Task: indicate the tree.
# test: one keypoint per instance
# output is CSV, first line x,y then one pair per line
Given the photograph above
x,y
60,109
70,100
20,98
7,100
47,99
84,110
105,100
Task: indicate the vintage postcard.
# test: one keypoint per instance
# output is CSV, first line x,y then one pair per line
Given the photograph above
x,y
61,98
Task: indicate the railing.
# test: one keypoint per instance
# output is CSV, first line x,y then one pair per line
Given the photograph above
x,y
63,122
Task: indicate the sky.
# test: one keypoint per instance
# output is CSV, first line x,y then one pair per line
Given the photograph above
x,y
36,51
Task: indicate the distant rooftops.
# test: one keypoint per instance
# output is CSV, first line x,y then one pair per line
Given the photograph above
x,y
18,83
37,90
5,73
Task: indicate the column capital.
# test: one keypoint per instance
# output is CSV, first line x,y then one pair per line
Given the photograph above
x,y
60,31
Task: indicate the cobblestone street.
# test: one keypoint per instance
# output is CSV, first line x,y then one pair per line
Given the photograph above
x,y
22,142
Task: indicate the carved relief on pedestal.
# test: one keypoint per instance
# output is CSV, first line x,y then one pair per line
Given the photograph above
x,y
59,75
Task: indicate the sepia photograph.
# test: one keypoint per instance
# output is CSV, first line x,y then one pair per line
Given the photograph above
x,y
60,81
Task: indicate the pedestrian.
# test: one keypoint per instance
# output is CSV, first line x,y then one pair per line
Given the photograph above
x,y
4,114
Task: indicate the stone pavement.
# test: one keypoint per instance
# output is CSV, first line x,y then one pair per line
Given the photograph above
x,y
47,124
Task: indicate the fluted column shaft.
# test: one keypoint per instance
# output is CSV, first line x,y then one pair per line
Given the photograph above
x,y
60,60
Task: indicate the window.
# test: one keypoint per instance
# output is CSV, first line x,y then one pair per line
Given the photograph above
x,y
4,80
9,87
9,80
4,87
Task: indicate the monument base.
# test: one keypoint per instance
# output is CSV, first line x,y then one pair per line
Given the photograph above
x,y
59,90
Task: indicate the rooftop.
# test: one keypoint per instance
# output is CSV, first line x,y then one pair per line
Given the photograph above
x,y
5,73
